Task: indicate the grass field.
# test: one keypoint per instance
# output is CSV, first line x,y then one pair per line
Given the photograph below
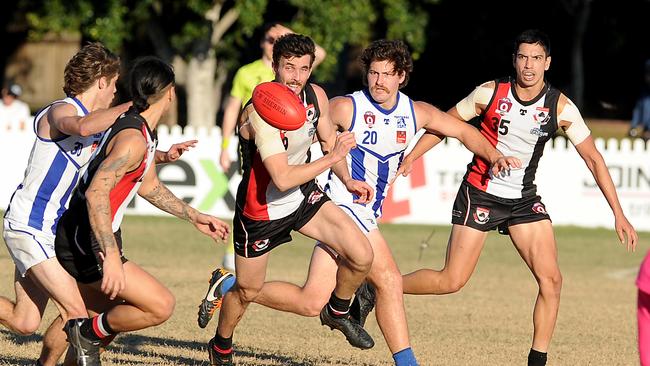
x,y
487,323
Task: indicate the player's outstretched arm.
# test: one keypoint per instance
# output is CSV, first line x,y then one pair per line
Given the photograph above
x,y
596,164
126,153
174,153
570,120
154,191
63,117
439,122
427,142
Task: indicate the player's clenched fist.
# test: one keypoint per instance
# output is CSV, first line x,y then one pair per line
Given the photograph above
x,y
344,143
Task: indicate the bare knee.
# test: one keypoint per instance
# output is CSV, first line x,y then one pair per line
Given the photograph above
x,y
162,309
360,259
246,294
27,326
550,284
453,283
313,304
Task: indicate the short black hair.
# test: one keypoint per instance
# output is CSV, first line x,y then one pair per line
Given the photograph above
x,y
533,36
267,27
293,45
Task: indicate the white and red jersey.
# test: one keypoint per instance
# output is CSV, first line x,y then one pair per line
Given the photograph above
x,y
258,198
515,128
127,187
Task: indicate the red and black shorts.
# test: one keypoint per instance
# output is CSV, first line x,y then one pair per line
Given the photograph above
x,y
483,211
77,249
254,238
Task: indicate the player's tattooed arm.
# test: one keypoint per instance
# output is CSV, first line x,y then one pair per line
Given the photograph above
x,y
154,191
161,197
126,153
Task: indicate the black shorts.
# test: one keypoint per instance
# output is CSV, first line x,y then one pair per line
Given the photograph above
x,y
77,249
483,211
254,238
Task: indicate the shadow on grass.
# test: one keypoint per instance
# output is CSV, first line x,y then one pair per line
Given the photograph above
x,y
129,344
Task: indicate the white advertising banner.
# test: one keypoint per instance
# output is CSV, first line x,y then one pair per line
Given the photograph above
x,y
426,196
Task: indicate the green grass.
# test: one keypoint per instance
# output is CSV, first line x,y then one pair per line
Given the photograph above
x,y
487,323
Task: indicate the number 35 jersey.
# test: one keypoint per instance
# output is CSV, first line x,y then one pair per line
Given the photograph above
x,y
515,128
382,136
53,171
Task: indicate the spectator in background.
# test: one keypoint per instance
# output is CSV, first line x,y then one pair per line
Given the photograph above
x,y
246,79
14,113
643,310
640,125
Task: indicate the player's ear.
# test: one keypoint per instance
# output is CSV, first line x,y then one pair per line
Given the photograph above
x,y
547,63
102,82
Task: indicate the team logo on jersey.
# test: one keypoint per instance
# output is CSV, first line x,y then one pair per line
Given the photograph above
x,y
401,121
311,113
503,106
386,121
400,137
542,115
522,112
482,215
369,118
260,245
539,208
538,132
314,197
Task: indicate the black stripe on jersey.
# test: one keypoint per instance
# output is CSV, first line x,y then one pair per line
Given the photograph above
x,y
130,119
552,97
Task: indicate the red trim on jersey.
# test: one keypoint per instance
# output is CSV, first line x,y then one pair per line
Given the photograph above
x,y
123,188
255,206
479,174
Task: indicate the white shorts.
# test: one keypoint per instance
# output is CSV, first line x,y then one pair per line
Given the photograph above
x,y
27,246
361,215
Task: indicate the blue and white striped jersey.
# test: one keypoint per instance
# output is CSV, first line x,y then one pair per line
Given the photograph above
x,y
53,171
382,137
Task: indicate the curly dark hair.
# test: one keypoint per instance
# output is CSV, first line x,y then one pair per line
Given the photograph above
x,y
93,61
395,51
293,45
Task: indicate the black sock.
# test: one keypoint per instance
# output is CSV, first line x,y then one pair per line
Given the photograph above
x,y
224,345
536,358
338,308
96,328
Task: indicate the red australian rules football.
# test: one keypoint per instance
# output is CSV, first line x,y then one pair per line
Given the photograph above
x,y
279,106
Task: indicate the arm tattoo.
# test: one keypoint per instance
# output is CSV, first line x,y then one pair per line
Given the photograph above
x,y
165,200
99,206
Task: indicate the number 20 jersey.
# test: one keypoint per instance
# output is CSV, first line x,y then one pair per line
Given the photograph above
x,y
382,136
53,171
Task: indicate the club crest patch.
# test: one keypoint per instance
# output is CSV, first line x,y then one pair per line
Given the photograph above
x,y
314,197
539,208
482,215
542,115
369,118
